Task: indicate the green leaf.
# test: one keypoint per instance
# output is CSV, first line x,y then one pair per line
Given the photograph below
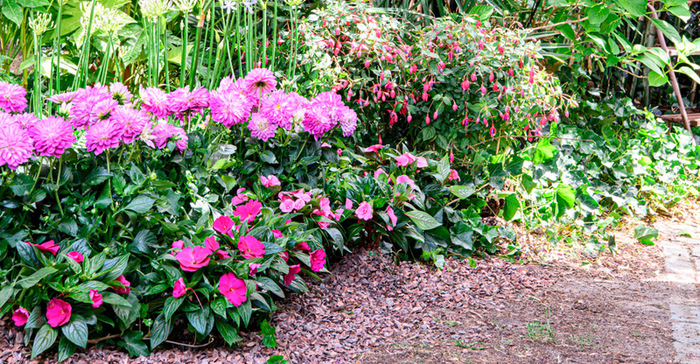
x,y
277,359
681,11
423,220
199,319
144,242
141,204
635,7
12,11
76,331
218,306
269,339
171,305
512,206
669,31
114,299
566,196
65,349
97,176
690,73
597,14
114,267
160,330
5,294
484,12
444,167
245,311
463,192
228,332
644,234
656,80
544,152
133,342
44,339
268,157
36,277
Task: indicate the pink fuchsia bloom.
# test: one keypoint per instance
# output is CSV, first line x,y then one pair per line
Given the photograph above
x,y
191,259
233,288
289,277
15,146
277,234
318,260
58,312
348,203
405,179
253,269
75,255
179,288
303,246
421,162
453,176
287,204
229,108
373,148
103,135
339,151
239,198
48,247
392,218
154,101
251,247
285,256
13,98
364,211
20,316
259,81
279,109
127,285
260,127
131,120
269,181
223,224
249,211
96,298
51,136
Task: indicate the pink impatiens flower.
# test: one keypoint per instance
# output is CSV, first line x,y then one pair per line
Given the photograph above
x,y
253,269
405,159
421,162
364,211
318,259
233,288
405,179
75,255
373,148
251,247
392,217
20,316
127,285
58,312
177,245
348,203
179,288
269,181
191,259
287,204
303,246
96,298
249,211
223,224
49,247
293,270
239,198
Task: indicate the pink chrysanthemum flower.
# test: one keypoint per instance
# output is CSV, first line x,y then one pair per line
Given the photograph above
x,y
163,132
229,108
278,109
64,97
13,98
7,120
259,81
183,103
52,136
348,121
132,121
15,146
120,93
261,128
25,120
103,135
226,84
317,122
91,105
155,101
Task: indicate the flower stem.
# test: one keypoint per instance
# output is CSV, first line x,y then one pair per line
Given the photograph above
x,y
183,57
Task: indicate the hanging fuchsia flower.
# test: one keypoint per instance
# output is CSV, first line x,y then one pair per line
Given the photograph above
x,y
249,211
20,316
260,127
259,81
278,108
223,224
58,312
289,277
48,247
251,247
96,298
13,98
229,108
233,288
318,260
51,136
15,146
75,255
155,101
127,285
392,218
132,121
191,259
179,288
104,135
269,181
453,176
364,211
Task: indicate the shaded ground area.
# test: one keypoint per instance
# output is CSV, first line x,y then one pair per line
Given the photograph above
x,y
614,310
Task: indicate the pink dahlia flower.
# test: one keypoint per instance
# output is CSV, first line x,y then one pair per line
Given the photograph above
x,y
233,288
164,132
103,135
279,109
229,108
259,81
131,120
58,312
154,101
260,127
51,136
13,98
120,93
15,146
91,105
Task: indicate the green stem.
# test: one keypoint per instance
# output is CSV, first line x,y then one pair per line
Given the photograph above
x,y
264,36
57,52
183,58
211,42
109,181
195,61
85,52
274,38
37,77
238,41
227,26
165,53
